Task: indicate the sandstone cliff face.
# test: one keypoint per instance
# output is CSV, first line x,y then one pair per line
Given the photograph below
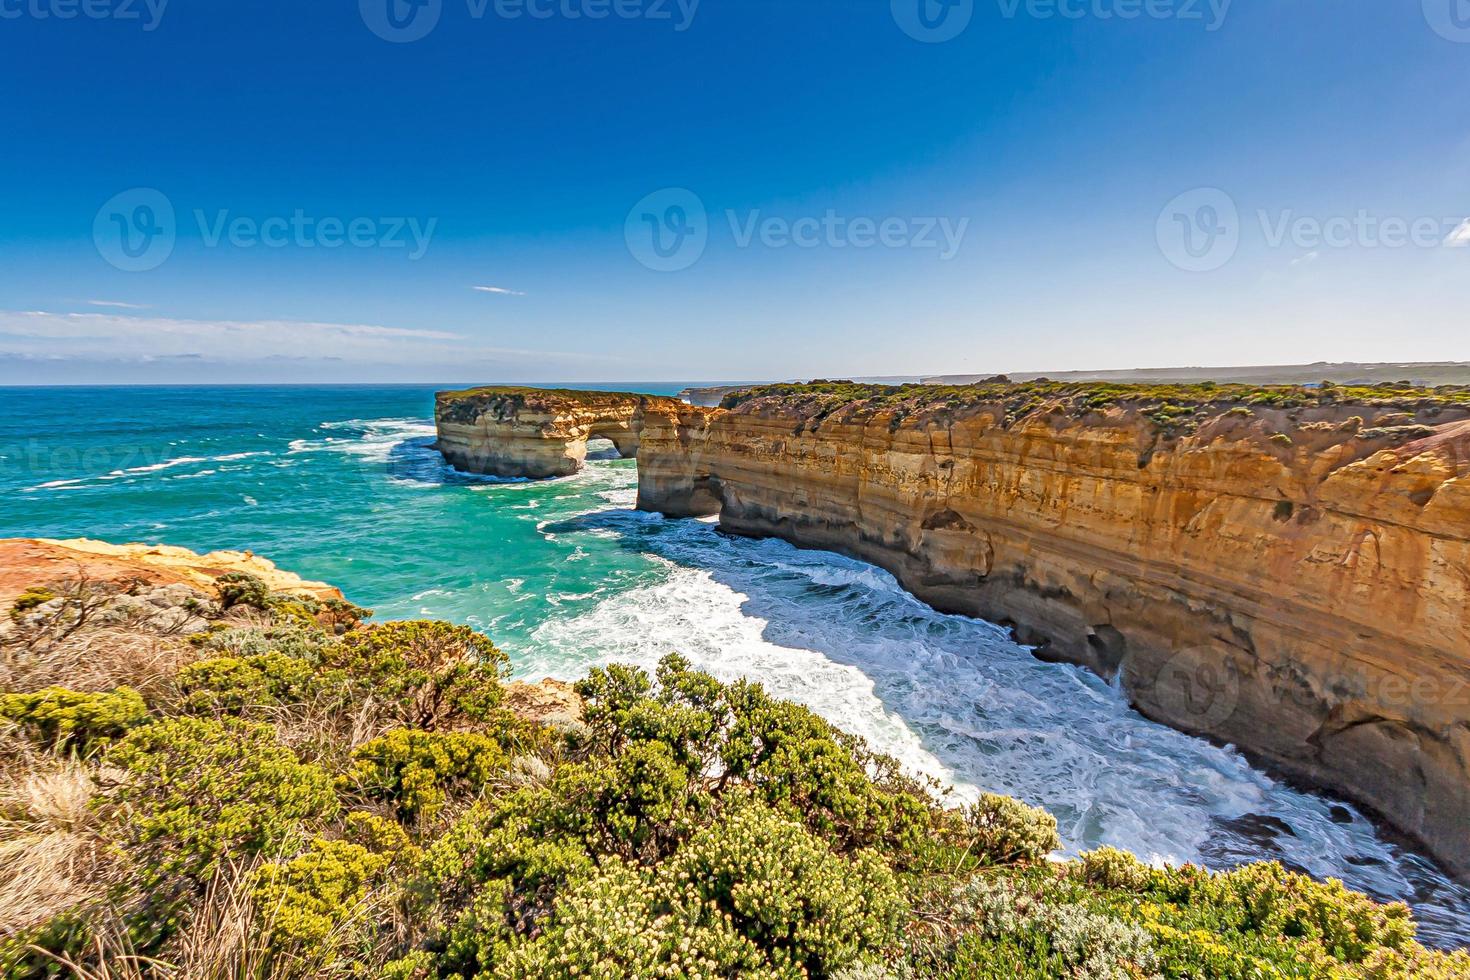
x,y
524,432
1295,581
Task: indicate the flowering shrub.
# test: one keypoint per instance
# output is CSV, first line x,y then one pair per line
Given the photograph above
x,y
205,791
754,894
1008,830
686,828
786,891
1011,927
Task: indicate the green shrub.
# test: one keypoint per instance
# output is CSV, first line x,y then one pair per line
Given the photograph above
x,y
205,791
754,894
242,589
1108,867
616,925
630,805
30,599
1273,900
232,685
1020,926
784,752
418,772
314,902
59,718
1007,831
428,675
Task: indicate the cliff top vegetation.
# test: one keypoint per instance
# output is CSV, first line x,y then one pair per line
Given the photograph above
x,y
466,405
1175,407
246,783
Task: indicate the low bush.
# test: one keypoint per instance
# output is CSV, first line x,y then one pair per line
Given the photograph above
x,y
419,772
203,792
233,685
1007,830
426,675
312,905
686,828
75,721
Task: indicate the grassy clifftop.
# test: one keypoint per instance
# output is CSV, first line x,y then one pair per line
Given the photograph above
x,y
468,404
1176,407
244,783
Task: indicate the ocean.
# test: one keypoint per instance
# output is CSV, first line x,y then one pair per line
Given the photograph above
x,y
342,484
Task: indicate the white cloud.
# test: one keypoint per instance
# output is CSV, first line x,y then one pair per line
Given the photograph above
x,y
497,290
114,304
117,336
1307,259
1460,237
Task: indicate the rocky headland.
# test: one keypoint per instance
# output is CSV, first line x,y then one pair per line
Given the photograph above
x,y
536,433
1285,569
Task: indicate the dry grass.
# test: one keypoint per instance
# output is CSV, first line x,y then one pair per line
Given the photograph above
x,y
52,854
80,647
100,659
224,941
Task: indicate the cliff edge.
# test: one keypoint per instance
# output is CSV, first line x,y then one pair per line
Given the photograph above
x,y
1286,569
534,432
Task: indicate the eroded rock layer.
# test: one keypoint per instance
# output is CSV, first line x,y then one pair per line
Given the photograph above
x,y
1286,571
536,433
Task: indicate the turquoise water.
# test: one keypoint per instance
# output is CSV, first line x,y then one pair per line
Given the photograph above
x,y
341,484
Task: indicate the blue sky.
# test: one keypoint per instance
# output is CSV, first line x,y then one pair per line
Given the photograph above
x,y
855,194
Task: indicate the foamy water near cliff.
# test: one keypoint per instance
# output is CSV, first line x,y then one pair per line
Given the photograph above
x,y
342,486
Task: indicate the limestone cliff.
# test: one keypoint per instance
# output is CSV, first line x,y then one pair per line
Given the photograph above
x,y
1285,570
537,433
